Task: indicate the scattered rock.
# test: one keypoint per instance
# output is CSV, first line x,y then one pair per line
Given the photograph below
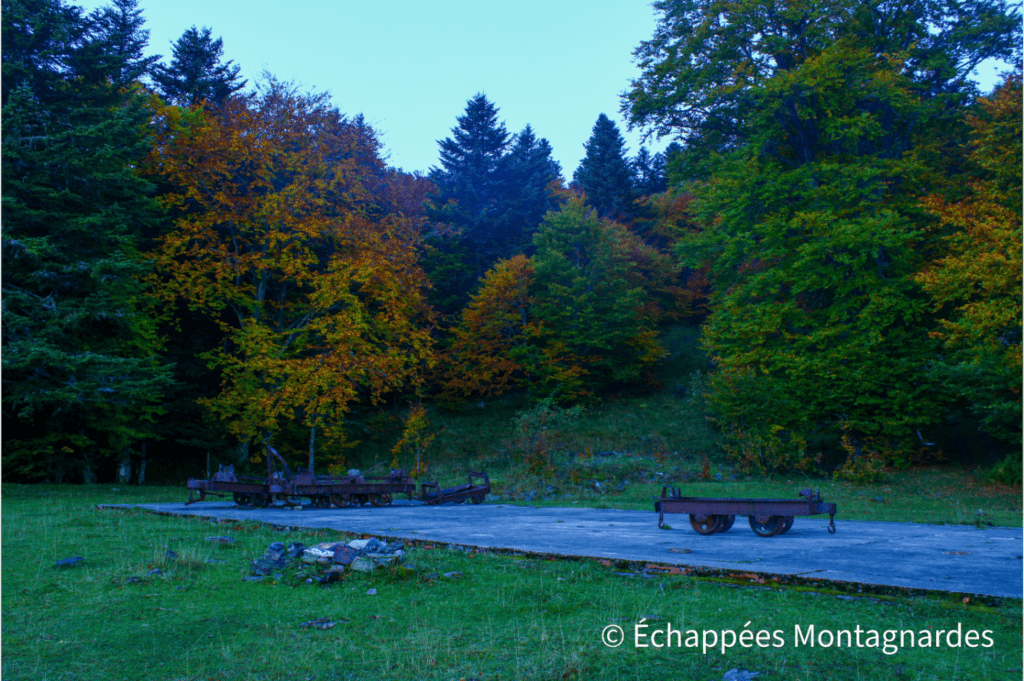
x,y
221,540
371,592
321,553
296,549
362,564
266,566
845,598
170,555
69,562
309,580
252,578
739,675
344,555
332,574
430,577
320,623
453,575
155,571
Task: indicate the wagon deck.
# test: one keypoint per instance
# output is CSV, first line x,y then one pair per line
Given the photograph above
x,y
767,517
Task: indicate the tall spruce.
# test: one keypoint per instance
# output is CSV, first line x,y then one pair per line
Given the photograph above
x,y
529,172
648,172
196,72
604,173
81,384
492,190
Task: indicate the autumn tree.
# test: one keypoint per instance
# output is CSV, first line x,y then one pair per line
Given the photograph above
x,y
82,383
494,333
976,284
280,238
812,131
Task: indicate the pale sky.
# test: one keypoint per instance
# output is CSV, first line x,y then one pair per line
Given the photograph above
x,y
410,66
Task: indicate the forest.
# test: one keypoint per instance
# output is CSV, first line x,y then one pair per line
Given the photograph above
x,y
193,263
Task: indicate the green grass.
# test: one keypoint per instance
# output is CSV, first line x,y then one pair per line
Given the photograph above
x,y
507,617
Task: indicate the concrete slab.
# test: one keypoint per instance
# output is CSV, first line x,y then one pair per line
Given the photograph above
x,y
954,558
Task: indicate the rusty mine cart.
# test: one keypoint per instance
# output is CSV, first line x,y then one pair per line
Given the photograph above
x,y
324,492
767,517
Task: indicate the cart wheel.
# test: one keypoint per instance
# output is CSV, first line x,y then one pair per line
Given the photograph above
x,y
787,522
261,500
478,500
240,498
768,528
725,524
707,526
380,499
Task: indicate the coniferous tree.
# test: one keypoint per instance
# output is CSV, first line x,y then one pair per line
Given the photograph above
x,y
121,40
196,72
529,171
648,172
81,385
492,190
604,173
467,183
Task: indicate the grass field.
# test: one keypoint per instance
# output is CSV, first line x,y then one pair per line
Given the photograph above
x,y
505,617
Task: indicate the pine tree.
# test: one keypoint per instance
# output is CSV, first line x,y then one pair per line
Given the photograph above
x,y
196,73
648,172
492,190
81,384
529,172
121,41
604,173
468,182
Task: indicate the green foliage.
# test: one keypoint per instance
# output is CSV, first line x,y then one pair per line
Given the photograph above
x,y
82,383
537,429
810,130
415,440
589,314
1009,471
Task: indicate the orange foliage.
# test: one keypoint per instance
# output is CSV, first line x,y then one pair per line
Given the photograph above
x,y
494,324
277,239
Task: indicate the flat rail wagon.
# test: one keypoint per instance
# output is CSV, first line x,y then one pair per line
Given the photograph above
x,y
433,495
767,517
282,485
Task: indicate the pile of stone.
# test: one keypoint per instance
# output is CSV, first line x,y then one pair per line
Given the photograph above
x,y
330,559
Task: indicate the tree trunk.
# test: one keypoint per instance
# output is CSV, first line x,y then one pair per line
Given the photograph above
x,y
312,441
88,472
243,451
141,476
124,467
